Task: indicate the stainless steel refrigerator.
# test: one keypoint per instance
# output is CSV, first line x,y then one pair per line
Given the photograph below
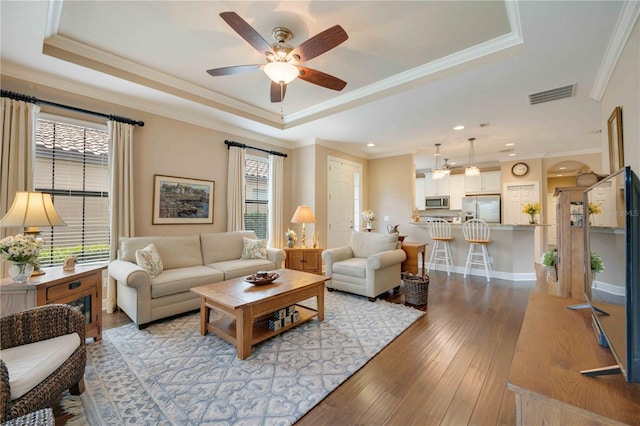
x,y
485,207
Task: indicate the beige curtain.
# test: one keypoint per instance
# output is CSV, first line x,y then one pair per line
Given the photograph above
x,y
120,194
17,150
276,185
235,190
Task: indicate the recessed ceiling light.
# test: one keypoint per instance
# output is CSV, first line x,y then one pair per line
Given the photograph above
x,y
509,144
459,127
559,175
562,168
453,163
513,154
371,144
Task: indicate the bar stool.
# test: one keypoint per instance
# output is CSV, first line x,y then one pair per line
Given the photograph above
x,y
440,231
476,232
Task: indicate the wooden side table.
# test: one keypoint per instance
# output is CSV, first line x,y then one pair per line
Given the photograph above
x,y
412,250
304,259
81,288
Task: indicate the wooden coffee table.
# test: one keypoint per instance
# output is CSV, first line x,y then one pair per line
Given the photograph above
x,y
243,303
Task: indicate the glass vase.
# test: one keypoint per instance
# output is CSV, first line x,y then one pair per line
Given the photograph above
x,y
20,272
532,220
291,243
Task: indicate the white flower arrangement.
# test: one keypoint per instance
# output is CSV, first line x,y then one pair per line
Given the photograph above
x,y
290,235
21,248
368,215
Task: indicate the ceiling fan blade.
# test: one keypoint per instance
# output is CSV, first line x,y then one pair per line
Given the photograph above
x,y
320,43
247,32
321,79
237,69
277,91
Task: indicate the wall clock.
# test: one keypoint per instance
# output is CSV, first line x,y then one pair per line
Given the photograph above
x,y
519,169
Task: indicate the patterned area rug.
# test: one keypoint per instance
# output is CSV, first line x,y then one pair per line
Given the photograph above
x,y
168,374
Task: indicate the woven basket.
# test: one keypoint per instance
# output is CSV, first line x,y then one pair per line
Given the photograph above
x,y
416,289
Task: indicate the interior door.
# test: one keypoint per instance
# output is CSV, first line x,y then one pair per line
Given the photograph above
x,y
515,197
343,203
552,203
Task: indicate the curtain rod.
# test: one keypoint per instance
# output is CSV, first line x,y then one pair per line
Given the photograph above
x,y
241,145
33,100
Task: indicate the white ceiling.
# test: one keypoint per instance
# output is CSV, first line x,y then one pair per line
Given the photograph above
x,y
414,69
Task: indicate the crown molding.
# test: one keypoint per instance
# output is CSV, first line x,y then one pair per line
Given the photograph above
x,y
78,53
205,120
626,21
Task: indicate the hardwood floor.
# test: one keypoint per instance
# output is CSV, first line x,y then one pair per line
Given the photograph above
x,y
449,368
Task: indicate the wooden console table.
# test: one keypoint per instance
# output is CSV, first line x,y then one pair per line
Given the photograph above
x,y
412,250
81,288
555,344
304,259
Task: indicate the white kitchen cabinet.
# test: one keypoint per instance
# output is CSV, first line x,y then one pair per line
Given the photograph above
x,y
435,187
487,182
456,191
420,193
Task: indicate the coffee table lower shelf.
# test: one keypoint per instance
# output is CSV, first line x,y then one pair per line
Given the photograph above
x,y
225,326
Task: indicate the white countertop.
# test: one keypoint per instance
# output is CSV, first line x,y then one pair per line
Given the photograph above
x,y
493,226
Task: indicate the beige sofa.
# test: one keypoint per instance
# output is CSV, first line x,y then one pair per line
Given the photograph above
x,y
370,265
188,261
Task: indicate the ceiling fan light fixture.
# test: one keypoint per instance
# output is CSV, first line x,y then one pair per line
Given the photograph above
x,y
281,72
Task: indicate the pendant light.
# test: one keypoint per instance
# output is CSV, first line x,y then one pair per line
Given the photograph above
x,y
472,169
438,172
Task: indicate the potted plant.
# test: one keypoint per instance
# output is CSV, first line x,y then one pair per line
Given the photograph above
x,y
23,251
368,216
550,261
596,265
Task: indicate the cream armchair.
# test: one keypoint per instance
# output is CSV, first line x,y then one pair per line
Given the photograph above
x,y
370,265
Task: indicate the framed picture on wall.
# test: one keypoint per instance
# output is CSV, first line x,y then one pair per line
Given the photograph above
x,y
616,153
179,200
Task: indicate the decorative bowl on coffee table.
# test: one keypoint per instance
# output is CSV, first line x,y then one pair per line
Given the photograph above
x,y
257,279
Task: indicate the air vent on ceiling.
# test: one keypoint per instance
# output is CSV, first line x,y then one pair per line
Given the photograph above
x,y
552,95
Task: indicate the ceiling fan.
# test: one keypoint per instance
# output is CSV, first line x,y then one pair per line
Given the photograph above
x,y
282,65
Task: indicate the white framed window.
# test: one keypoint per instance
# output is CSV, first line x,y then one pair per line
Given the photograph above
x,y
72,164
256,203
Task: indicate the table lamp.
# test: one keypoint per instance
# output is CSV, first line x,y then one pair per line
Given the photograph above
x,y
31,210
303,215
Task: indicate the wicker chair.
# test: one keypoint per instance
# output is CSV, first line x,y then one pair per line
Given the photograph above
x,y
34,325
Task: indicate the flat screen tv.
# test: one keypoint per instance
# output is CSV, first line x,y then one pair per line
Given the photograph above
x,y
612,241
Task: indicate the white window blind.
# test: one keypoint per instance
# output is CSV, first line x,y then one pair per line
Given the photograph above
x,y
72,165
256,201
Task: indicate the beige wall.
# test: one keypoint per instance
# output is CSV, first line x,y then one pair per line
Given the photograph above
x,y
391,191
302,188
623,90
168,147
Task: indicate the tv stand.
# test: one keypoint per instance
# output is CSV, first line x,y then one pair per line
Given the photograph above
x,y
554,345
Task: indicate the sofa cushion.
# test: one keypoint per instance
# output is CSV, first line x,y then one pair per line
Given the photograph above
x,y
239,268
172,281
353,267
30,364
149,259
254,249
175,251
364,244
220,246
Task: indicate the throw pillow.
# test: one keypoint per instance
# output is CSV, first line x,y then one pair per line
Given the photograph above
x,y
148,259
254,249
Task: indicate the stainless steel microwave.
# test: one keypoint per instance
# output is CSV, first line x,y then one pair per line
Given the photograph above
x,y
438,202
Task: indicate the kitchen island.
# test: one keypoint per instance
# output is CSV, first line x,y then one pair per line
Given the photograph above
x,y
512,249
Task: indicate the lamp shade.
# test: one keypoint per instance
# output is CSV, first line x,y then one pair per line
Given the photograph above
x,y
303,214
32,209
